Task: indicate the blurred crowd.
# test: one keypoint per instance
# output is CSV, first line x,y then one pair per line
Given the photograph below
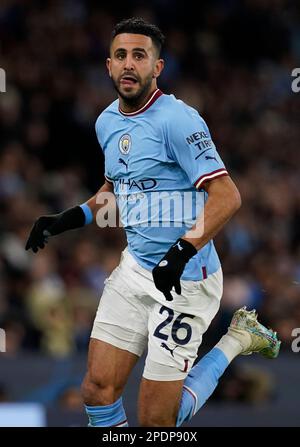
x,y
232,62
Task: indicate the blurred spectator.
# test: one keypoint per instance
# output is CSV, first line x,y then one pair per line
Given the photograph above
x,y
4,395
247,384
71,399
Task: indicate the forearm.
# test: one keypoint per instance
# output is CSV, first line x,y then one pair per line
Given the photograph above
x,y
221,205
93,202
70,219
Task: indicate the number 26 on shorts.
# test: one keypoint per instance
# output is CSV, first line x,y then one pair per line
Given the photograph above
x,y
176,325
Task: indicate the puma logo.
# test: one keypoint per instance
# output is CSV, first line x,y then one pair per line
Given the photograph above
x,y
123,162
179,246
165,346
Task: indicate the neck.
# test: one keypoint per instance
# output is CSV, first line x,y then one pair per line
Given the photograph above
x,y
137,104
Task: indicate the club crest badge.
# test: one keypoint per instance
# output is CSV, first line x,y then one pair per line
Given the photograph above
x,y
125,144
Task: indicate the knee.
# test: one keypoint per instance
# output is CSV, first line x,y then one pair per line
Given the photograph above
x,y
97,392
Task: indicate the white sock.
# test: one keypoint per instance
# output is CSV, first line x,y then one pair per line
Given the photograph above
x,y
230,346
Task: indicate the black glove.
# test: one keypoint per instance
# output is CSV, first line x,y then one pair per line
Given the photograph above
x,y
46,226
168,271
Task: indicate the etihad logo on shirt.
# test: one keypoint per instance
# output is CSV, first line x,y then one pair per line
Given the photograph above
x,y
142,185
125,144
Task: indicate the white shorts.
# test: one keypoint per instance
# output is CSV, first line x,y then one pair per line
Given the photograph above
x,y
133,315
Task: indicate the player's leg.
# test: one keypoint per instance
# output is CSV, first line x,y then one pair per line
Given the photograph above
x,y
118,339
159,402
168,402
245,335
173,342
174,338
108,371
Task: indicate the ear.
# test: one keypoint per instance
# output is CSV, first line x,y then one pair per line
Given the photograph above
x,y
108,65
159,66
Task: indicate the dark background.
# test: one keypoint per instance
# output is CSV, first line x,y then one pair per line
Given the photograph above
x,y
232,60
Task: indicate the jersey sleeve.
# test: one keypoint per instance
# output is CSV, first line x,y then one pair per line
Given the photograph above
x,y
190,144
101,143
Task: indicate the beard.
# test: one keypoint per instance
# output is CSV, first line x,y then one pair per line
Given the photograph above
x,y
134,99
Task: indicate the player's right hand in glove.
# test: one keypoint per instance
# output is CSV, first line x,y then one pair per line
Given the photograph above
x,y
46,226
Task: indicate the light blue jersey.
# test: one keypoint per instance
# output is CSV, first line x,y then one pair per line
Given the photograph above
x,y
158,159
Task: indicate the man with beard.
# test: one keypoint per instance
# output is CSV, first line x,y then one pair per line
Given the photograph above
x,y
158,150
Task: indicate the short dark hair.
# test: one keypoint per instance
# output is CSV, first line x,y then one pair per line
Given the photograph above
x,y
137,25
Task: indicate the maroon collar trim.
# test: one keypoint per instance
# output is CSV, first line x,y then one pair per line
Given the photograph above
x,y
155,95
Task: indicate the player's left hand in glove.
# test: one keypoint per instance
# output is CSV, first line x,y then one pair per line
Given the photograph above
x,y
51,225
167,272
